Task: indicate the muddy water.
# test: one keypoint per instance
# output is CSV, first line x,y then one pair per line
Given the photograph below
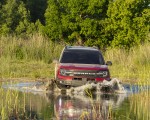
x,y
38,105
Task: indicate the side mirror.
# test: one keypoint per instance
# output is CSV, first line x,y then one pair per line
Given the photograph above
x,y
109,63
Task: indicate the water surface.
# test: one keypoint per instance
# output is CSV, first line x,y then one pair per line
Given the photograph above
x,y
38,105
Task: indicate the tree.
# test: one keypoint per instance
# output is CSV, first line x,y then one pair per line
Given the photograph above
x,y
128,22
14,18
53,26
76,20
37,9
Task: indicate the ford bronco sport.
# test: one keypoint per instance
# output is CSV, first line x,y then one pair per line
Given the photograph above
x,y
78,65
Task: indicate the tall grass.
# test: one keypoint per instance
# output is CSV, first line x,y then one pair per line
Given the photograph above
x,y
35,47
33,56
30,57
132,65
9,104
15,105
140,105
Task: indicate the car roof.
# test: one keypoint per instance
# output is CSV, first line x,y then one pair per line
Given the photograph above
x,y
81,48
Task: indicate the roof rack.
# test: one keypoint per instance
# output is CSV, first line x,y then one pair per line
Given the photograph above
x,y
81,47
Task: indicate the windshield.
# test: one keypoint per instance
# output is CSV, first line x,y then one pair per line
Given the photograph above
x,y
82,57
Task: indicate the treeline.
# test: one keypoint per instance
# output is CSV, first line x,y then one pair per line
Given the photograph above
x,y
103,23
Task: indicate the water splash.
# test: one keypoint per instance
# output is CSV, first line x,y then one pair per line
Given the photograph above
x,y
105,87
113,86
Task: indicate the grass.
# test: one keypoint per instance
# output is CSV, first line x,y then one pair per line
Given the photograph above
x,y
141,105
25,69
136,109
15,105
9,103
37,48
30,58
130,66
33,57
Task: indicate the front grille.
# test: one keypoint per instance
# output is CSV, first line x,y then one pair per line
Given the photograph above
x,y
84,73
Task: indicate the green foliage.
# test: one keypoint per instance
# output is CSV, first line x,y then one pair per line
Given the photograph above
x,y
75,21
24,25
101,23
53,23
128,22
14,18
37,9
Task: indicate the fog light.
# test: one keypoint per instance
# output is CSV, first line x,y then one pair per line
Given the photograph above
x,y
60,81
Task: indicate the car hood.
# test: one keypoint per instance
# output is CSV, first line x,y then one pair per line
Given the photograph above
x,y
83,66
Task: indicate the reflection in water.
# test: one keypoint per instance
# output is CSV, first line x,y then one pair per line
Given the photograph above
x,y
37,106
76,107
44,106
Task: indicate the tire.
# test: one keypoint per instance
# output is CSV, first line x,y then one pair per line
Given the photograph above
x,y
62,86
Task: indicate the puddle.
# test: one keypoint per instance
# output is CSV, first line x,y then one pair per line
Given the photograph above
x,y
24,86
135,88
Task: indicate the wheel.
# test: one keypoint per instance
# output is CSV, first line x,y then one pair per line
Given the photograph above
x,y
62,86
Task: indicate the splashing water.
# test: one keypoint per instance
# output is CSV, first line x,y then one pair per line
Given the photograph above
x,y
113,86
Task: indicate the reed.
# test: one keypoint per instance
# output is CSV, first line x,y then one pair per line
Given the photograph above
x,y
130,66
14,105
140,105
10,104
136,109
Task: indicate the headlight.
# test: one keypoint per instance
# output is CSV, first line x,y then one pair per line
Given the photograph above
x,y
103,73
63,72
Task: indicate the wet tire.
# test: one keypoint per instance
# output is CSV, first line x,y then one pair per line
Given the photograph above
x,y
61,86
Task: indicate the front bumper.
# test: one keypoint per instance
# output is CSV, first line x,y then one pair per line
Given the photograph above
x,y
79,81
73,83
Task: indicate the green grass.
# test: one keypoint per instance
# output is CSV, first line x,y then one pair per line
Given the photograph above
x,y
32,58
130,66
35,48
140,105
25,69
9,103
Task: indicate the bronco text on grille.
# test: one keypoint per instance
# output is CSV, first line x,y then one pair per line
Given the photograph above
x,y
85,73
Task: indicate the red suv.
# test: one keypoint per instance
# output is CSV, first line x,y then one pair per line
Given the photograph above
x,y
78,65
